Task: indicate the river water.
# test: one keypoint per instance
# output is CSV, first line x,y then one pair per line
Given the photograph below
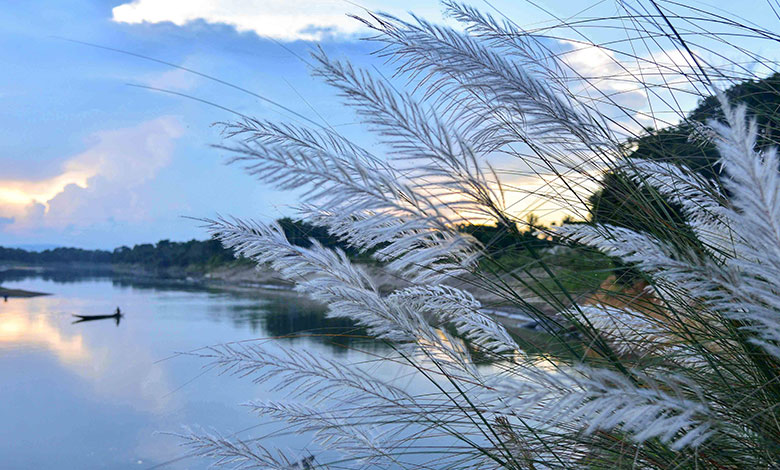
x,y
101,395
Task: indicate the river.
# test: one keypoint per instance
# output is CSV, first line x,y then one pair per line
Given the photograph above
x,y
104,395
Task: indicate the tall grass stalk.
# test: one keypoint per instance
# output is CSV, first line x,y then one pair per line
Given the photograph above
x,y
688,378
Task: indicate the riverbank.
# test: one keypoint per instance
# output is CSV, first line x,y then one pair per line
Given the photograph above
x,y
19,293
247,277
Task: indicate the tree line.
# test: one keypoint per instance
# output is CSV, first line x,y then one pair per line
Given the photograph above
x,y
210,253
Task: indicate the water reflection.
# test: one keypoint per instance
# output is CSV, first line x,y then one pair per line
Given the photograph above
x,y
58,275
279,314
87,397
31,327
22,329
290,317
68,275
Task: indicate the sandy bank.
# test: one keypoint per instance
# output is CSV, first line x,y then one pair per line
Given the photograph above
x,y
10,293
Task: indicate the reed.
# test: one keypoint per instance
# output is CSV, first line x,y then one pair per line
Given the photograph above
x,y
684,378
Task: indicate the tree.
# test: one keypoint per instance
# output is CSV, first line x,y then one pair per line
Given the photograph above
x,y
620,201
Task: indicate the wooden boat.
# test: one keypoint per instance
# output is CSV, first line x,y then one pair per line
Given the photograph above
x,y
97,317
116,316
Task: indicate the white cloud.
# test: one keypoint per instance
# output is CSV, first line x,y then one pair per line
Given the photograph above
x,y
100,184
285,20
279,19
640,85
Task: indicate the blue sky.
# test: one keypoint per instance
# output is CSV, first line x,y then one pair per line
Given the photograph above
x,y
89,161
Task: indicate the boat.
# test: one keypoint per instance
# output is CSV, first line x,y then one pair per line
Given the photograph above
x,y
116,316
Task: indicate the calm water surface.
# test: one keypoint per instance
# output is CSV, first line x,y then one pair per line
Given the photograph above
x,y
101,395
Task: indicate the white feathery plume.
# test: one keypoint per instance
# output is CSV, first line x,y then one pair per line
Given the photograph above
x,y
753,178
741,286
450,305
302,373
322,274
407,246
506,37
328,276
627,330
701,201
376,433
353,400
754,181
367,202
678,276
627,244
600,399
368,443
444,161
496,99
234,453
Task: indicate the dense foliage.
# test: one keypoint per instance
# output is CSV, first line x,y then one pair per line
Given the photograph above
x,y
210,253
165,253
620,200
500,240
56,255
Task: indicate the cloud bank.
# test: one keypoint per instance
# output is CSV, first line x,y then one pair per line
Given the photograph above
x,y
102,184
286,20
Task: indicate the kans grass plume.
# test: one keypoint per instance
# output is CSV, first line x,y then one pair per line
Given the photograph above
x,y
689,380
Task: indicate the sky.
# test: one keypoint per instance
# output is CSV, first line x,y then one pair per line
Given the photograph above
x,y
91,158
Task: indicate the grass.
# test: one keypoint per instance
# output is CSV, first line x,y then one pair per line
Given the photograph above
x,y
576,270
670,364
